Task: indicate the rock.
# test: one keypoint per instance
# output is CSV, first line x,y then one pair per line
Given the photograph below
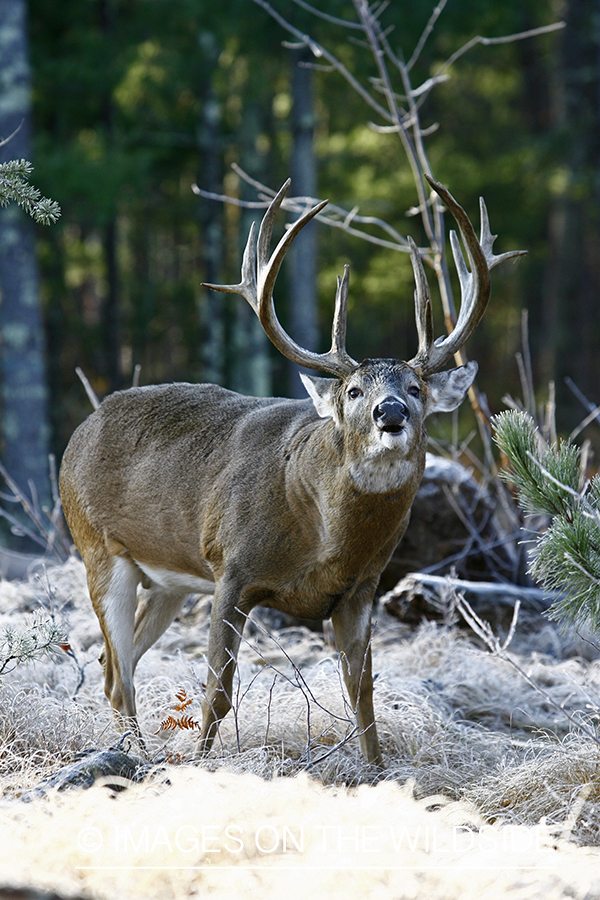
x,y
30,893
90,766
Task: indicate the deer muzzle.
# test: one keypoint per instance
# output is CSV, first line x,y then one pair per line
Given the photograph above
x,y
391,415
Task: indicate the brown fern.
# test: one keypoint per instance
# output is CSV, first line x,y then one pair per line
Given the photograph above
x,y
184,700
168,724
183,722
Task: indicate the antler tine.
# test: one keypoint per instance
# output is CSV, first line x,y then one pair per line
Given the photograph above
x,y
266,226
487,240
255,262
474,279
465,280
259,272
268,270
247,286
338,328
423,313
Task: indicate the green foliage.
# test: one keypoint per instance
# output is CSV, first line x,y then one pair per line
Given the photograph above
x,y
566,557
14,186
134,102
41,637
532,462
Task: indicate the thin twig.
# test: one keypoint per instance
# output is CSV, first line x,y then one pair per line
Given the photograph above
x,y
588,509
11,136
505,39
301,204
318,50
426,32
92,396
484,631
321,15
300,680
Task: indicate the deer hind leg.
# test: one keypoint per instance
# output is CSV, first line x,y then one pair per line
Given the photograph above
x,y
226,626
113,582
157,607
352,628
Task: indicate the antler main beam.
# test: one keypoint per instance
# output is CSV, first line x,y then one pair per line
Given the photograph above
x,y
475,285
259,271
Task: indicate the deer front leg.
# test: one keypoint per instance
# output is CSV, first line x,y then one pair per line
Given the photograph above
x,y
226,626
352,628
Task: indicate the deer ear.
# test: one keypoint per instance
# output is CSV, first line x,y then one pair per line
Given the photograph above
x,y
320,391
447,390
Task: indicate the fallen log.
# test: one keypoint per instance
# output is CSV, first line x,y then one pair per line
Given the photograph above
x,y
420,595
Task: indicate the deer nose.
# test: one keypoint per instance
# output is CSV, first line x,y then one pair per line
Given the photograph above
x,y
390,414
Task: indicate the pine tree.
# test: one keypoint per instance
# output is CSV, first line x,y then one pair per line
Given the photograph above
x,y
566,555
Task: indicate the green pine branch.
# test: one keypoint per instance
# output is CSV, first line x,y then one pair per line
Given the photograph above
x,y
566,556
15,187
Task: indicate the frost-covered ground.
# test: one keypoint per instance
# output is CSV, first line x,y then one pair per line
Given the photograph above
x,y
489,791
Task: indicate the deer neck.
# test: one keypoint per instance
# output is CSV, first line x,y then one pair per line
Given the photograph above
x,y
328,471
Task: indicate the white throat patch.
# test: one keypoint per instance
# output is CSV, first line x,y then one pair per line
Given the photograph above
x,y
382,473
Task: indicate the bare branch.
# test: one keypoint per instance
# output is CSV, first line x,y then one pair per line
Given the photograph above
x,y
49,531
321,15
319,51
11,136
505,39
484,631
92,396
593,409
426,32
298,681
336,216
379,47
233,201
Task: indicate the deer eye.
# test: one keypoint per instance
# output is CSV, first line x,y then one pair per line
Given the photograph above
x,y
354,392
414,391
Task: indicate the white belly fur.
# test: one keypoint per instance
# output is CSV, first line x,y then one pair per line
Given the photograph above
x,y
176,581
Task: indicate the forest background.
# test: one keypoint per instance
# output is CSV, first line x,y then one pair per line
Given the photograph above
x,y
126,104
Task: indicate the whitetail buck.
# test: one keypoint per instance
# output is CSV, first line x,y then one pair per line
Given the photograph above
x,y
292,504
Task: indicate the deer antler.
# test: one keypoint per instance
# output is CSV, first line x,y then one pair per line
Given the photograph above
x,y
259,272
475,285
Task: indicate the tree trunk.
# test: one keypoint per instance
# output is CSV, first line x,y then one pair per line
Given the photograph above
x,y
111,311
570,311
302,256
111,319
25,430
213,311
250,360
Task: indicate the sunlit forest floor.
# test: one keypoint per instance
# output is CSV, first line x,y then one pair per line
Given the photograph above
x,y
489,789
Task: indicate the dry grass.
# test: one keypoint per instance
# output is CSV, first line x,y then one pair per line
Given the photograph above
x,y
463,735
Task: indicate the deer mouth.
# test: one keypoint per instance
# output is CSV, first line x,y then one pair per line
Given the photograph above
x,y
393,436
392,428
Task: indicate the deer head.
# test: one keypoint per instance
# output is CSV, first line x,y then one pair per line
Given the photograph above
x,y
380,404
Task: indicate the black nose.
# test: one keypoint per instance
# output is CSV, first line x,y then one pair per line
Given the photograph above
x,y
391,414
